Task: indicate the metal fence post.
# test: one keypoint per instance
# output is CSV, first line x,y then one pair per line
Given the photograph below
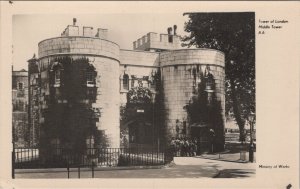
x,y
92,169
68,168
13,164
79,171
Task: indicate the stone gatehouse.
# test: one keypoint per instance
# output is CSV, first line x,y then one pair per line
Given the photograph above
x,y
92,93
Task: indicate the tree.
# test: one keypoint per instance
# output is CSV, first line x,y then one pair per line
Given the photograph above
x,y
233,34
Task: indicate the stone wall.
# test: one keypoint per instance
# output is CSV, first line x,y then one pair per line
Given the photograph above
x,y
79,45
139,58
137,65
178,80
177,75
103,55
154,41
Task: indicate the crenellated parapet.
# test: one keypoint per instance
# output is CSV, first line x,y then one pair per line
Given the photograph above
x,y
157,42
87,31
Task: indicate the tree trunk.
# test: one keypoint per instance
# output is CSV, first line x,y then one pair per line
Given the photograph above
x,y
236,111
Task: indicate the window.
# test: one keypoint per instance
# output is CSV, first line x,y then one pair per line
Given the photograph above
x,y
55,143
90,78
56,73
209,83
90,145
20,86
57,76
126,82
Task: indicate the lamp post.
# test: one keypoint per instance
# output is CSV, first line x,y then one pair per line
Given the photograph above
x,y
251,147
212,135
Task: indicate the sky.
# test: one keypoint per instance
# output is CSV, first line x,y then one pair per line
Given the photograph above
x,y
29,30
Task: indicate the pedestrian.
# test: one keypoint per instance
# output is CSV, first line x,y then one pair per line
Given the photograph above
x,y
191,147
186,147
195,146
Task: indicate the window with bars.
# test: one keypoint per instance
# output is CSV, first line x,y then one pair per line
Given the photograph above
x,y
90,78
209,83
55,143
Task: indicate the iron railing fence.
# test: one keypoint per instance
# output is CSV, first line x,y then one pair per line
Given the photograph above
x,y
26,158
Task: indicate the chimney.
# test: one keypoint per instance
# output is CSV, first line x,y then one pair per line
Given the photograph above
x,y
175,28
170,37
74,21
170,31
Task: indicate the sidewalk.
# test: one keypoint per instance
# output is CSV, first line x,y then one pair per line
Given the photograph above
x,y
230,157
226,169
183,167
172,171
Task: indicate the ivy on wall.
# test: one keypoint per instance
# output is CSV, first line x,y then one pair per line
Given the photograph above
x,y
142,99
69,115
205,112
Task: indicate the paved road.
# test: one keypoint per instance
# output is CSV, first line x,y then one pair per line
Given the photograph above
x,y
186,167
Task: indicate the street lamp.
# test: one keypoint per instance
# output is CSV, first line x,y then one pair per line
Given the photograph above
x,y
251,118
212,135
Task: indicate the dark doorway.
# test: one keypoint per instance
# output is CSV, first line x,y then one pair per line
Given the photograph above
x,y
202,136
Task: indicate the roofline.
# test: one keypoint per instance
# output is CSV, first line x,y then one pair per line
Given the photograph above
x,y
78,37
207,49
139,51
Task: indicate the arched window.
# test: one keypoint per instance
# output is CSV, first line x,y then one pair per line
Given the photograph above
x,y
57,68
209,82
125,82
57,76
209,88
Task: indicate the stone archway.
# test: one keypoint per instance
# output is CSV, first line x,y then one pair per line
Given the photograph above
x,y
137,122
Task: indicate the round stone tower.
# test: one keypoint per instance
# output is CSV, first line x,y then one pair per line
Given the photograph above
x,y
80,88
193,94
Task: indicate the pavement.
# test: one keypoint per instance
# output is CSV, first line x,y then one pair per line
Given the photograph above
x,y
225,169
230,157
182,167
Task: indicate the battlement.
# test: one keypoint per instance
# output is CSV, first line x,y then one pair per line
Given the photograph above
x,y
156,42
21,73
87,31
